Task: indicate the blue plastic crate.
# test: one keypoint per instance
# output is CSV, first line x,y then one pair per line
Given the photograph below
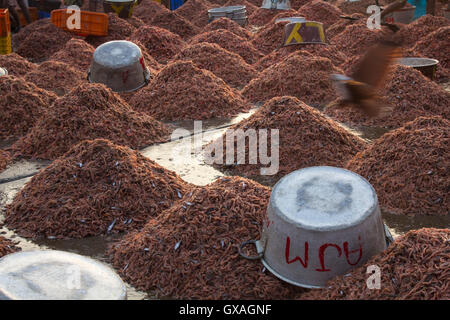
x,y
174,4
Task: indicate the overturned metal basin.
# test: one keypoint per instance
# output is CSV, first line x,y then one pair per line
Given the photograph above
x,y
232,12
304,32
120,66
321,222
57,275
404,15
276,4
425,65
123,8
235,13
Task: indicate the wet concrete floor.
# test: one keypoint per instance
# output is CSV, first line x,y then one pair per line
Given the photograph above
x,y
14,178
194,171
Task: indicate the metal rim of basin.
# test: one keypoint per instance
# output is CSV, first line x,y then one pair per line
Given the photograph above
x,y
291,19
417,62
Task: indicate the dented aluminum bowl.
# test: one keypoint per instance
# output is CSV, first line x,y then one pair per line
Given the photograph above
x,y
120,66
321,222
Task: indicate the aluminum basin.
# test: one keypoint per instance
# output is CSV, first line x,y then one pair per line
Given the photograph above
x,y
321,222
120,66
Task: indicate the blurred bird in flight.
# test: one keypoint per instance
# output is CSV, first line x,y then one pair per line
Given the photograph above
x,y
360,89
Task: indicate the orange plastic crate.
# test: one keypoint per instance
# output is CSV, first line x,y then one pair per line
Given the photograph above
x,y
34,14
5,26
92,23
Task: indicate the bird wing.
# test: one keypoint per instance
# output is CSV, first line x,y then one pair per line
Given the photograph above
x,y
359,90
371,108
364,97
375,64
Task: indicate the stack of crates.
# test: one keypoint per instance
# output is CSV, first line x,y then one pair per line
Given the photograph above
x,y
5,32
